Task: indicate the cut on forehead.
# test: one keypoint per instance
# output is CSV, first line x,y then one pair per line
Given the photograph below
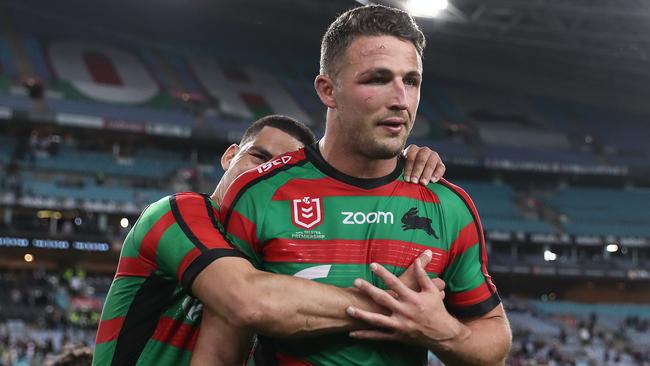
x,y
365,46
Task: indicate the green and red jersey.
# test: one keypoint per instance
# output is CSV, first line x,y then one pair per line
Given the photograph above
x,y
150,317
297,215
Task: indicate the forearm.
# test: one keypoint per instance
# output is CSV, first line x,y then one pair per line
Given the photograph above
x,y
219,343
276,305
295,307
484,341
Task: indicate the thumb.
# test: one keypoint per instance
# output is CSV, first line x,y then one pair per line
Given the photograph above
x,y
425,258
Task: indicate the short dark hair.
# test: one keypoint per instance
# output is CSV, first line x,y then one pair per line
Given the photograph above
x,y
285,124
370,20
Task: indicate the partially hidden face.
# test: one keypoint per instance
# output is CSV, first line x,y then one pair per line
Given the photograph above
x,y
269,142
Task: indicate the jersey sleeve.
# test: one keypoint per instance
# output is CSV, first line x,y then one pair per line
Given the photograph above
x,y
242,211
471,292
190,238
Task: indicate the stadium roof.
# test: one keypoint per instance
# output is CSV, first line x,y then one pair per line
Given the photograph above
x,y
593,38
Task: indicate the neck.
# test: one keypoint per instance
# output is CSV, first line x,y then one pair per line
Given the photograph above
x,y
219,192
350,162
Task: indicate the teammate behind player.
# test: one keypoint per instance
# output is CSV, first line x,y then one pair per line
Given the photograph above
x,y
149,316
335,207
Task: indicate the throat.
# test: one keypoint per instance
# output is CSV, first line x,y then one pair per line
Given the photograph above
x,y
355,164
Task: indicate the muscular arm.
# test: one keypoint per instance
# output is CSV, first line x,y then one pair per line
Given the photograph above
x,y
275,305
220,343
239,300
481,341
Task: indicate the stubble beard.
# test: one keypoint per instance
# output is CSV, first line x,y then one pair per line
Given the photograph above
x,y
372,148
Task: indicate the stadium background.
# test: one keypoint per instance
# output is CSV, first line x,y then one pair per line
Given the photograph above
x,y
539,109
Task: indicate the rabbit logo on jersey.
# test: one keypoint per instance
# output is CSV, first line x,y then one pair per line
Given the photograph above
x,y
306,212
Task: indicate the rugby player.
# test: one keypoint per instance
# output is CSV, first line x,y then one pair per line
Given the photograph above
x,y
150,317
340,210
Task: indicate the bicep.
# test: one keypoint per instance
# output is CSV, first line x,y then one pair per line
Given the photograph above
x,y
223,284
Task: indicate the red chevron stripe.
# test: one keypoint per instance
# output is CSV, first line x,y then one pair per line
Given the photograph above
x,y
386,252
133,267
150,241
329,187
192,208
109,329
244,229
471,297
187,260
481,235
284,360
467,237
176,333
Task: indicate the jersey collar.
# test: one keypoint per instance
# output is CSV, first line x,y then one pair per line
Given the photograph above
x,y
315,157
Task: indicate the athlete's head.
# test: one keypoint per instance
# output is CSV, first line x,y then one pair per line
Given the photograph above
x,y
265,138
370,74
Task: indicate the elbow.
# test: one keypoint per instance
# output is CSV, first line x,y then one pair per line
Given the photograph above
x,y
247,314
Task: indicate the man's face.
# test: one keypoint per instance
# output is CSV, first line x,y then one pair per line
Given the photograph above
x,y
269,142
377,92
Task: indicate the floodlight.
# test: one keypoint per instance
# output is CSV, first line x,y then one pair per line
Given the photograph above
x,y
549,256
426,8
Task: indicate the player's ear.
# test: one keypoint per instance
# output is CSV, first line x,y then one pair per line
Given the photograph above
x,y
324,86
227,156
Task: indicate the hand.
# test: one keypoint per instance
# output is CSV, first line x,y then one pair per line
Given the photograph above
x,y
423,165
409,278
416,317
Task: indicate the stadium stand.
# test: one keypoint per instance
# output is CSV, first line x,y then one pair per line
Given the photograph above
x,y
556,180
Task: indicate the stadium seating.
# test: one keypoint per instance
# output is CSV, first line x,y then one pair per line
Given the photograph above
x,y
497,207
602,211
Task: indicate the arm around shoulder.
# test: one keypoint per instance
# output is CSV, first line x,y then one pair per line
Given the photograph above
x,y
275,305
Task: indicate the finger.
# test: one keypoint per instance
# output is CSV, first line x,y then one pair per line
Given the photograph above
x,y
429,168
407,277
391,281
423,279
439,172
376,335
428,175
421,159
409,155
425,257
378,295
439,283
374,319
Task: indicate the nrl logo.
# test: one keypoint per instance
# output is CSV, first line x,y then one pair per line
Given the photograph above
x,y
306,212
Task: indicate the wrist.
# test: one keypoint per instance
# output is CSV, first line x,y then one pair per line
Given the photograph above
x,y
457,334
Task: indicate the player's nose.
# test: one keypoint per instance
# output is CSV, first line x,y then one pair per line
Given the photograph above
x,y
398,100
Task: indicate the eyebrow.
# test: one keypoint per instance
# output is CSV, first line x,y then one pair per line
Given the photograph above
x,y
379,71
382,72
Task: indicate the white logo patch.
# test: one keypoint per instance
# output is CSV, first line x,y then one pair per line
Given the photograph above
x,y
275,162
375,217
306,212
314,272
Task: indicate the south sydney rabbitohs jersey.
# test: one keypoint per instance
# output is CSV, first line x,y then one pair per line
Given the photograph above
x,y
149,317
299,216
